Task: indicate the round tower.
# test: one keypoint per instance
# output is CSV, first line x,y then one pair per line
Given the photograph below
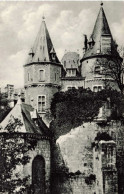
x,y
101,61
42,72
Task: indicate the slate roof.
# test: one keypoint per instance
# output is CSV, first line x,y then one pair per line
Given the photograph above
x,y
101,28
43,47
71,59
23,113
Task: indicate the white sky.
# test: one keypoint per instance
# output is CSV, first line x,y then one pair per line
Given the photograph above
x,y
66,21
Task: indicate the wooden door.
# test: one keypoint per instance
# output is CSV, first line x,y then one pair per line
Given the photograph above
x,y
38,175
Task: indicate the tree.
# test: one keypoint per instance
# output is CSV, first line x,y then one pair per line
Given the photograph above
x,y
13,155
4,106
114,68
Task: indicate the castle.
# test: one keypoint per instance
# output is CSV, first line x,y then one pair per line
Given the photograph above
x,y
44,75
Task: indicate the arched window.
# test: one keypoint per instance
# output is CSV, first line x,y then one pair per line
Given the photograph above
x,y
38,175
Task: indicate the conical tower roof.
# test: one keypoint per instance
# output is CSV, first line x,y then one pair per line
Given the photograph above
x,y
101,28
41,50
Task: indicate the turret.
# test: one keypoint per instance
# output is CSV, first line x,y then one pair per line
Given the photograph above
x,y
100,50
42,72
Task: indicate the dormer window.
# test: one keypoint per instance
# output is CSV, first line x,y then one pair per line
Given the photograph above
x,y
98,51
31,53
97,69
53,54
71,72
106,43
41,75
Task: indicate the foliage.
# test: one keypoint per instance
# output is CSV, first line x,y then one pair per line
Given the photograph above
x,y
103,136
4,106
112,67
90,179
73,107
14,155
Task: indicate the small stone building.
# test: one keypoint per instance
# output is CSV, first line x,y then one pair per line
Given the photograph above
x,y
33,129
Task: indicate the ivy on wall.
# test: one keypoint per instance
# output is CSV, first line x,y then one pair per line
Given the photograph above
x,y
72,108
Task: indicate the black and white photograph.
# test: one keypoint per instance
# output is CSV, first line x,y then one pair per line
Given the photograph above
x,y
61,97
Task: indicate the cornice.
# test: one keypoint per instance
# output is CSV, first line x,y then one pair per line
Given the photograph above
x,y
43,63
41,85
100,79
100,56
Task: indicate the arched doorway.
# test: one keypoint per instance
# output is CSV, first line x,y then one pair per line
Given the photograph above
x,y
38,175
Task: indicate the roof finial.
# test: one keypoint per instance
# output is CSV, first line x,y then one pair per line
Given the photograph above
x,y
43,17
101,3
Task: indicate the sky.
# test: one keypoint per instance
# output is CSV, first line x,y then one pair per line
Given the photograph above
x,y
66,21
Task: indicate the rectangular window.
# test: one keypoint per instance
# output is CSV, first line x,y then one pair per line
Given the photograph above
x,y
106,44
71,72
28,76
41,75
97,88
41,103
70,87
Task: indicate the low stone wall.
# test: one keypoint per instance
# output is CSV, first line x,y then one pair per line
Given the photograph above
x,y
74,185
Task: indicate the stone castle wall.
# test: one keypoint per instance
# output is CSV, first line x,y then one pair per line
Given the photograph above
x,y
74,185
77,152
97,79
32,93
42,149
71,83
52,74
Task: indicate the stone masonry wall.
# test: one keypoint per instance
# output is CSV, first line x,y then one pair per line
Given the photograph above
x,y
43,149
71,83
74,185
93,78
77,152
